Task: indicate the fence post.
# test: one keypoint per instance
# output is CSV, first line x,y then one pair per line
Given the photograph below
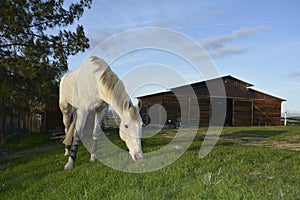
x,y
285,121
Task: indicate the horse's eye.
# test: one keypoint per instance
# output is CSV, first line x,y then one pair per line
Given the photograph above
x,y
126,126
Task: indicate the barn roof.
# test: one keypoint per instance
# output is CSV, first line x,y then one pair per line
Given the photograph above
x,y
247,93
224,79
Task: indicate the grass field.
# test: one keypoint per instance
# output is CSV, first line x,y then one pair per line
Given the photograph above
x,y
246,163
24,141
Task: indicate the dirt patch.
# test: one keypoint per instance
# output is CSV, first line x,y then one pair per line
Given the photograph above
x,y
288,142
249,140
277,145
269,140
168,136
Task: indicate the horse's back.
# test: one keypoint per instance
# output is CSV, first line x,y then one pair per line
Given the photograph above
x,y
65,90
79,87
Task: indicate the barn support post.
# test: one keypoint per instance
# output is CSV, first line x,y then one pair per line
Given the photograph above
x,y
159,115
233,105
252,113
189,111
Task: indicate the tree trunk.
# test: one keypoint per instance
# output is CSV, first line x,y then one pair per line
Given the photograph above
x,y
28,122
2,134
11,126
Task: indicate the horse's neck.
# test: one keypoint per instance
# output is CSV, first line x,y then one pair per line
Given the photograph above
x,y
114,102
114,92
117,109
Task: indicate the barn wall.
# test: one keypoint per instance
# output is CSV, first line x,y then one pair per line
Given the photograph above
x,y
53,117
204,108
172,107
242,112
188,110
245,106
235,88
148,101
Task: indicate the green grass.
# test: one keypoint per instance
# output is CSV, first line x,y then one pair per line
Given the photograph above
x,y
24,141
231,171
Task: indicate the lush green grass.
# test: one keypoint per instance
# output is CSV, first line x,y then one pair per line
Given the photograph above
x,y
231,171
24,141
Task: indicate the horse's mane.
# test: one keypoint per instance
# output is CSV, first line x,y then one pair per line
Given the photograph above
x,y
114,86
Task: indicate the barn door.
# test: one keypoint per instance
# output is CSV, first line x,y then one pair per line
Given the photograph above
x,y
242,113
229,113
172,107
266,113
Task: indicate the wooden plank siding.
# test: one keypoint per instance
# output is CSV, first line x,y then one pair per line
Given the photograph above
x,y
265,112
172,107
151,100
242,113
205,110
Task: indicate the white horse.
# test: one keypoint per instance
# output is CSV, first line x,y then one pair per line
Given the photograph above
x,y
93,87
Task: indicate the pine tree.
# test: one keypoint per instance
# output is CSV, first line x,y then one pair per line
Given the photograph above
x,y
34,46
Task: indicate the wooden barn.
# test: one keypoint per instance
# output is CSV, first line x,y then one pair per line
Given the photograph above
x,y
244,105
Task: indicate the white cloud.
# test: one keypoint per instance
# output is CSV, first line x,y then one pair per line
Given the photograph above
x,y
219,41
294,74
96,36
180,22
218,47
228,50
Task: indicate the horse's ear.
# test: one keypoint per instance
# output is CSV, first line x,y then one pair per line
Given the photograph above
x,y
126,105
139,104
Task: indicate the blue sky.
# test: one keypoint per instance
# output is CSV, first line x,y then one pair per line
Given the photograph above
x,y
256,41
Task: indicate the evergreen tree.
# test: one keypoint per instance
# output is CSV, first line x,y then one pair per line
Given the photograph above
x,y
34,46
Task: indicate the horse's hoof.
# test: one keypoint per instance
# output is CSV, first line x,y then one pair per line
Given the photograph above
x,y
69,164
93,157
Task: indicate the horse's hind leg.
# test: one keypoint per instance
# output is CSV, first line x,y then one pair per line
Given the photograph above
x,y
79,125
66,110
69,137
99,116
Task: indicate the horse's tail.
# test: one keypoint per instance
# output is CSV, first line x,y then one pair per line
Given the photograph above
x,y
69,135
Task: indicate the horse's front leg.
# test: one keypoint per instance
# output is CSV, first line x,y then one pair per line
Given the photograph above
x,y
79,125
97,131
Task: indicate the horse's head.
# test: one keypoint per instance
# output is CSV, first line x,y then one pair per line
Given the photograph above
x,y
131,129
